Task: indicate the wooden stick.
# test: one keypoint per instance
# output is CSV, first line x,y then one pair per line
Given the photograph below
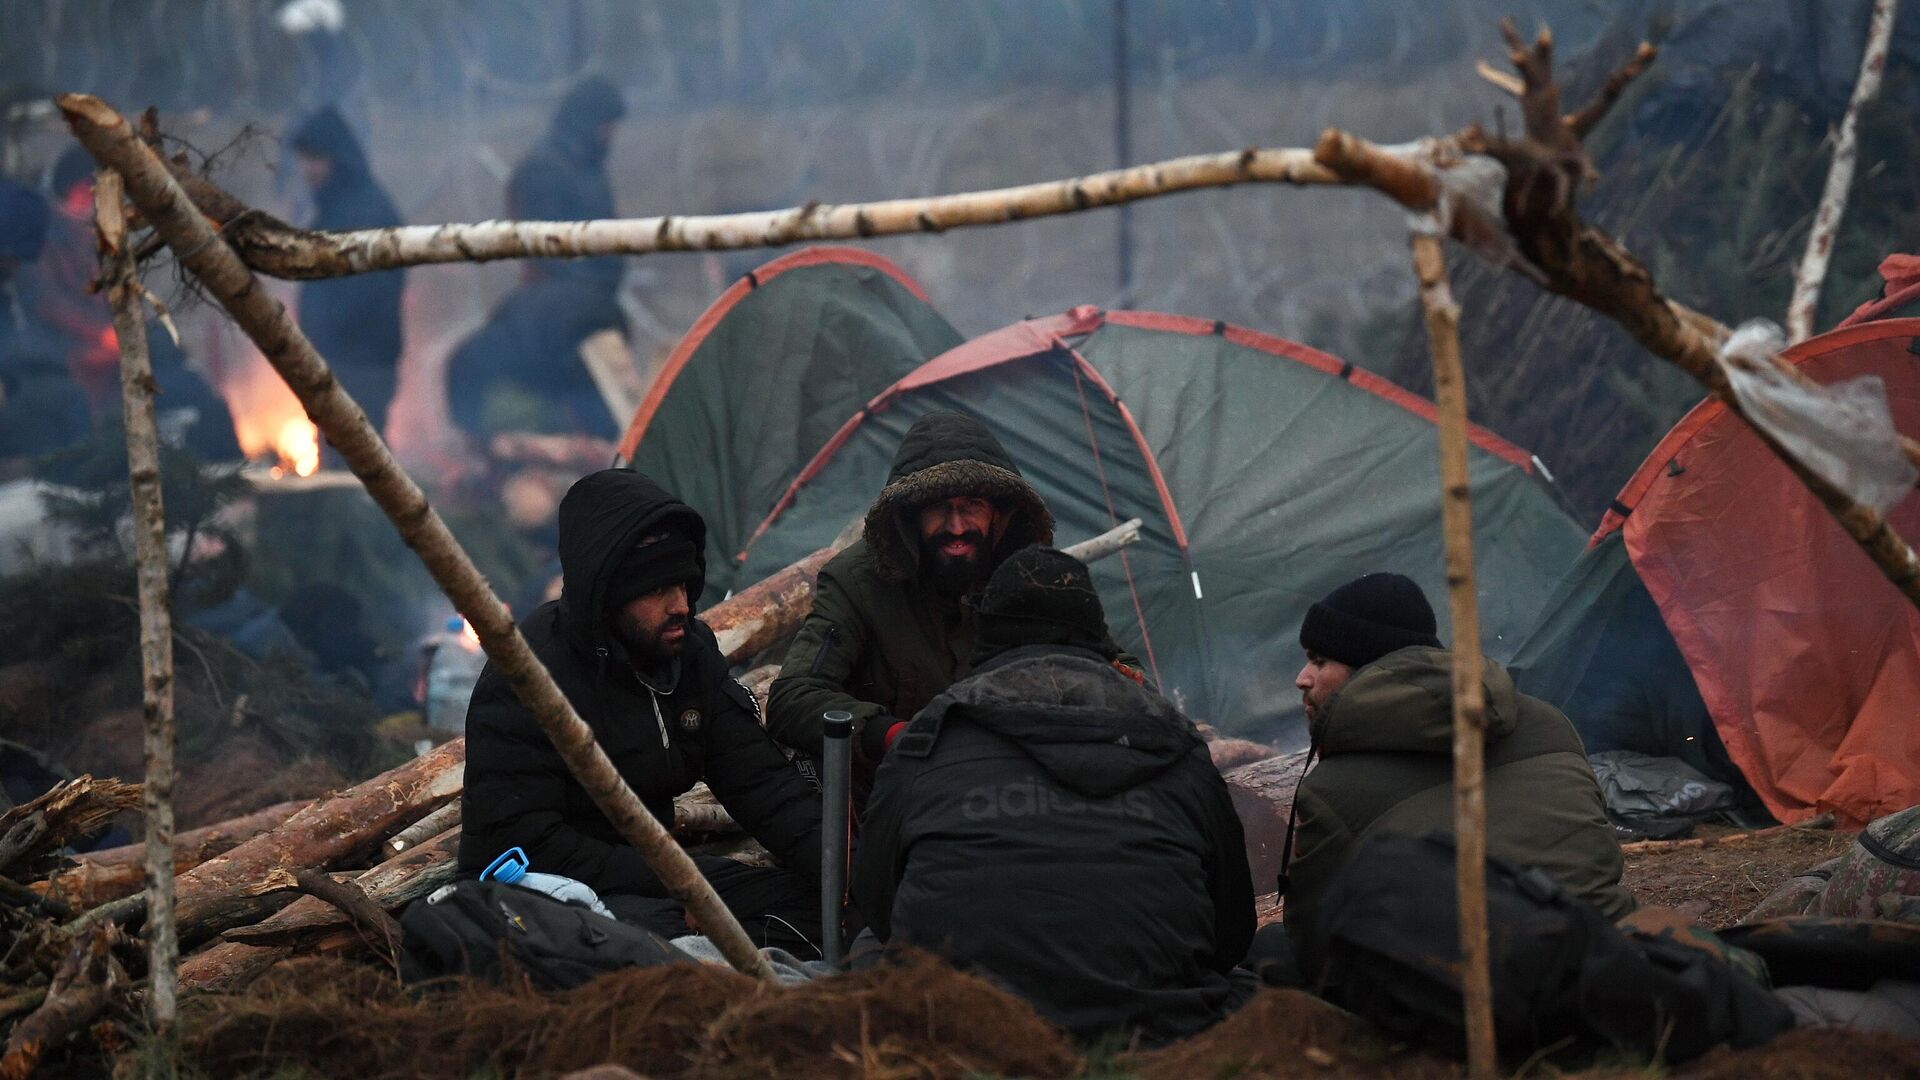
x,y
1812,273
162,203
393,884
1099,547
1645,847
150,559
277,249
1469,705
425,829
370,918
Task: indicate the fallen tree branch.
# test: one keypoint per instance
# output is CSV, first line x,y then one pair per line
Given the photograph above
x,y
395,883
100,876
166,207
87,981
213,895
375,925
14,894
274,248
1545,168
1647,847
1812,272
425,829
80,807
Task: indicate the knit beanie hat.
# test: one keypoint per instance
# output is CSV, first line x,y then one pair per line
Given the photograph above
x,y
1039,596
1367,618
670,558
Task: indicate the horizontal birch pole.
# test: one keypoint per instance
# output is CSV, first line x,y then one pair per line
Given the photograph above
x,y
273,247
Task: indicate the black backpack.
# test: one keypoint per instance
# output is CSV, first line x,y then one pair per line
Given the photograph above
x,y
483,928
1565,979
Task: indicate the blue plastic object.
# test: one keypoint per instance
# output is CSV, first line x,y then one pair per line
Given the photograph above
x,y
507,868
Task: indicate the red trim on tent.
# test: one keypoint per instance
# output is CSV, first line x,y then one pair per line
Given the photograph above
x,y
1710,410
697,334
1034,336
1293,350
1902,276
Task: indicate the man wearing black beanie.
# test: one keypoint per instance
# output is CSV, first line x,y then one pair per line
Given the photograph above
x,y
1053,823
1378,691
648,677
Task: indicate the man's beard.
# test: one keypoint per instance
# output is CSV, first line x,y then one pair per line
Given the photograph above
x,y
646,648
955,575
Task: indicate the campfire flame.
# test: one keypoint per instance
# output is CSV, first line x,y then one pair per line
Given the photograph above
x,y
269,422
298,445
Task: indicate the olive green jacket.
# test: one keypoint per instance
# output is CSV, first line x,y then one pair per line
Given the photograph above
x,y
874,646
1386,765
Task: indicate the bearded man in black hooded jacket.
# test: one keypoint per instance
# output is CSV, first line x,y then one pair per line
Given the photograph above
x,y
1057,826
650,681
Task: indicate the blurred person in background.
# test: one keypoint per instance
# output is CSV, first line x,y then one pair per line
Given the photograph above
x,y
353,322
522,371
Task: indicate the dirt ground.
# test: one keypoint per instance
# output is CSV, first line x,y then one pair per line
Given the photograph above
x,y
1719,884
327,1018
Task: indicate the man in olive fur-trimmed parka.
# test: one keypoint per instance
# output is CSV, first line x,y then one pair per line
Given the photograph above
x,y
888,629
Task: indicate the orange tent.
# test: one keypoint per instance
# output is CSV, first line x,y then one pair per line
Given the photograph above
x,y
1807,658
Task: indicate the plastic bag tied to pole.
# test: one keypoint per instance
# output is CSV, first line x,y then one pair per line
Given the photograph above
x,y
1843,432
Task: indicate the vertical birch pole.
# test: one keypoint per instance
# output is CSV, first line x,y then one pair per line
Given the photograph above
x,y
1469,701
150,559
1812,273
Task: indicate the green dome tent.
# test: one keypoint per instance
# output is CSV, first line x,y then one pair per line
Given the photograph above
x,y
1266,474
766,375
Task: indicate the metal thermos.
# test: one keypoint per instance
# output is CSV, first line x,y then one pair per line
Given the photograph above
x,y
836,780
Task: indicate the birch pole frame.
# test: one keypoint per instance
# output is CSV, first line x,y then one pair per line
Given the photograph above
x,y
199,248
122,280
275,248
1442,316
1545,168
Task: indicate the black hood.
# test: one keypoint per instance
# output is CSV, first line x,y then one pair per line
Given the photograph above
x,y
325,134
1095,731
603,515
945,454
593,101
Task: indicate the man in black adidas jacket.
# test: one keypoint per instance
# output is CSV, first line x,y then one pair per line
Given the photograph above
x,y
649,679
1055,825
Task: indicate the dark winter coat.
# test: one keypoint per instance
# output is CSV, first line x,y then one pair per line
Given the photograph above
x,y
353,322
1061,829
522,370
695,724
1386,765
564,176
880,641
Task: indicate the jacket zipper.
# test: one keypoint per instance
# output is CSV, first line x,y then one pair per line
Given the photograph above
x,y
658,719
